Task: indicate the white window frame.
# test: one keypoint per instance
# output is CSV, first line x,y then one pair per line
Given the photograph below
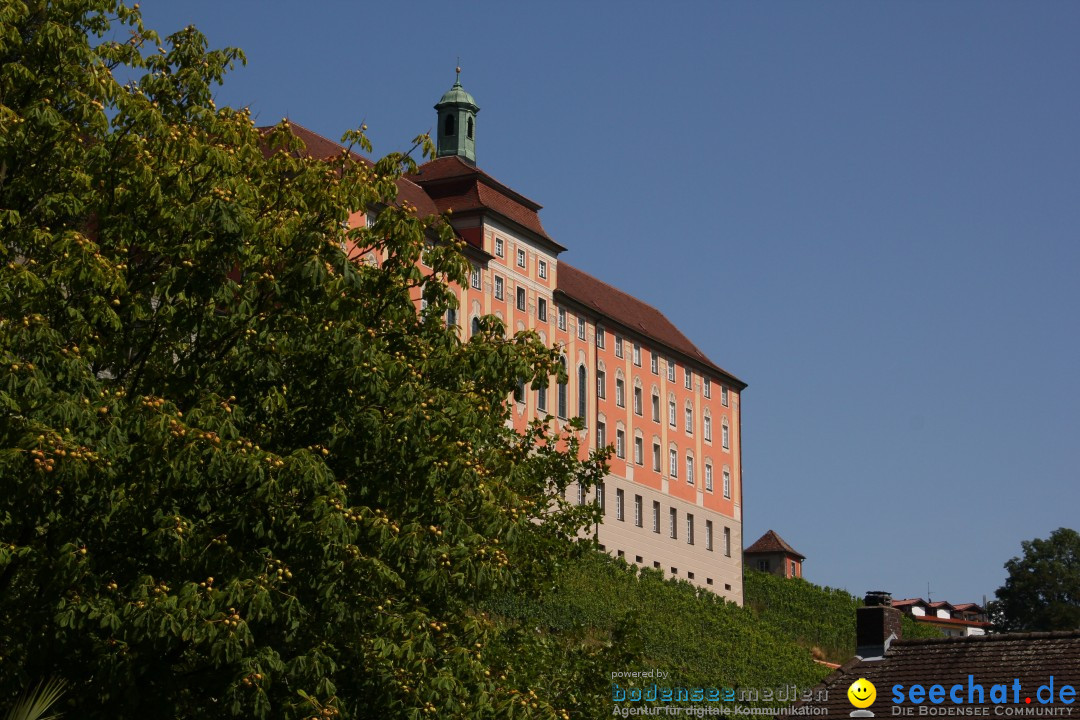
x,y
708,388
474,278
658,457
637,354
654,363
600,337
639,450
522,299
708,427
689,529
724,395
618,346
520,258
620,392
637,400
727,484
638,512
656,407
708,477
499,285
601,382
725,433
541,309
673,462
656,517
689,420
620,443
562,318
580,328
671,370
499,247
688,378
708,535
541,269
689,469
673,523
671,412
619,499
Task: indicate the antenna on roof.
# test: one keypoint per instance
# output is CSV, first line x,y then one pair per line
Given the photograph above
x,y
928,598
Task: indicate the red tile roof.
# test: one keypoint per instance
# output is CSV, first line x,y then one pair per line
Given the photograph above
x,y
935,620
633,314
907,602
1030,658
317,146
770,542
457,186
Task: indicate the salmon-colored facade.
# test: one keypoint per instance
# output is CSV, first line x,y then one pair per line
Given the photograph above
x,y
673,495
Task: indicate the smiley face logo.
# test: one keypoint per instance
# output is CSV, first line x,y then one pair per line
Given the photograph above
x,y
862,693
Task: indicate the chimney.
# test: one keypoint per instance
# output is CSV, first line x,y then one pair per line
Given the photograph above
x,y
877,624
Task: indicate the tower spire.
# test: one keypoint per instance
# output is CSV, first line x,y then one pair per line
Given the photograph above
x,y
457,122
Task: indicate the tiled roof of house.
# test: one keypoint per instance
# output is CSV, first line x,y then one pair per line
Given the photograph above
x,y
935,620
908,602
969,607
989,660
633,314
770,542
317,146
459,187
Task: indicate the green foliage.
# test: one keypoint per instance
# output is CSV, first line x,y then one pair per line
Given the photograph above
x,y
240,475
37,702
1042,591
604,616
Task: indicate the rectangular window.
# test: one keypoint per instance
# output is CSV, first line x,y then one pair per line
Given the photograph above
x,y
708,534
673,462
562,318
637,511
689,421
708,387
498,247
689,529
723,396
620,392
620,443
637,401
671,370
600,499
619,505
521,298
656,517
727,541
618,346
688,378
708,477
601,381
541,399
639,451
600,339
656,456
541,310
581,328
724,435
727,483
671,413
656,408
708,428
689,470
637,354
654,363
521,258
601,435
474,278
451,317
541,269
498,288
580,494
673,524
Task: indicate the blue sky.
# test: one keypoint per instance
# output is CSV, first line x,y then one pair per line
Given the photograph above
x,y
867,211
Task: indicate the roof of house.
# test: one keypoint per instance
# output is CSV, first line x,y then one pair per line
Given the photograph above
x,y
989,660
458,187
899,604
942,605
317,146
934,620
969,607
631,313
770,542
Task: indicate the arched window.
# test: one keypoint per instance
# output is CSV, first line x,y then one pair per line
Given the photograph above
x,y
470,128
562,390
475,325
448,126
582,397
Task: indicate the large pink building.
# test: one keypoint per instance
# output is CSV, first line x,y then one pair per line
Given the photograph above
x,y
673,497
